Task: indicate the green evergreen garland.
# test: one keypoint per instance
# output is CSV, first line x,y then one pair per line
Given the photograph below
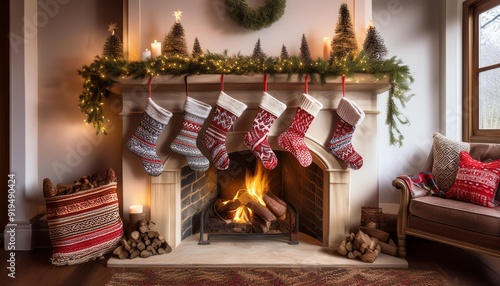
x,y
98,77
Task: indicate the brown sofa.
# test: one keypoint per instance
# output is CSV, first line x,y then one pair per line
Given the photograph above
x,y
461,224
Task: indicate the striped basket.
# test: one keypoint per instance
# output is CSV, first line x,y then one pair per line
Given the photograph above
x,y
84,225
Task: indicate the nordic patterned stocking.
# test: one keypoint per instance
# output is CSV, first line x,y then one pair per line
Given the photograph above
x,y
143,141
195,113
340,144
292,139
227,111
269,110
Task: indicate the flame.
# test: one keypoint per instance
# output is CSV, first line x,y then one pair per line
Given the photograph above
x,y
256,186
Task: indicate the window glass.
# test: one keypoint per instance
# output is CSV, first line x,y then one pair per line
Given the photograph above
x,y
489,99
489,37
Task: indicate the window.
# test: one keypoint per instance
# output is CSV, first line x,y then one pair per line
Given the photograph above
x,y
481,90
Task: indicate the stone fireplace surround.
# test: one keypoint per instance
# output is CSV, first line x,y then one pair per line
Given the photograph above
x,y
344,190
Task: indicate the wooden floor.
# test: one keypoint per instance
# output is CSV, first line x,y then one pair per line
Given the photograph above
x,y
33,268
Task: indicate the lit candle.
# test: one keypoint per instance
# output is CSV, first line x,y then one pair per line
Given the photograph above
x,y
135,209
155,49
327,47
146,55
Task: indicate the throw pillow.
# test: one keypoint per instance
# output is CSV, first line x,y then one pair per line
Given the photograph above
x,y
446,156
476,182
84,225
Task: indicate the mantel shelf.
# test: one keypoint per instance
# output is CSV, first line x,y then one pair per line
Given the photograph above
x,y
211,82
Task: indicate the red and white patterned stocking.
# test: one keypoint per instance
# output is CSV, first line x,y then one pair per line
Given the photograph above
x,y
292,139
340,145
269,110
227,111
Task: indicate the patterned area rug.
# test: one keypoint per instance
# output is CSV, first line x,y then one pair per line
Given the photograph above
x,y
305,277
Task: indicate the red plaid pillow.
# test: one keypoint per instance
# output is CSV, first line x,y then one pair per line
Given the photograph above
x,y
476,182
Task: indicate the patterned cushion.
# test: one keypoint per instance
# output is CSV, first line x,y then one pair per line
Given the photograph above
x,y
476,182
446,158
84,225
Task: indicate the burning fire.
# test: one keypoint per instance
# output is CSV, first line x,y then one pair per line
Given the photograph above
x,y
256,186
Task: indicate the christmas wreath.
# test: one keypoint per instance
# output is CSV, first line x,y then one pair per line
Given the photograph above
x,y
255,19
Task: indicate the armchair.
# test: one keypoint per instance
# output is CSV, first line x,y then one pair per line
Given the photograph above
x,y
458,223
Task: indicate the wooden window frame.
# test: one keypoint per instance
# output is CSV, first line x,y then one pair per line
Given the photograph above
x,y
470,88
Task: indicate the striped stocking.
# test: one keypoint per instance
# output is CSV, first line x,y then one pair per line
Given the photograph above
x,y
143,141
227,111
292,139
269,110
340,145
195,113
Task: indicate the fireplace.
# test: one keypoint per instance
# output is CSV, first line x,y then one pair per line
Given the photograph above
x,y
330,195
250,203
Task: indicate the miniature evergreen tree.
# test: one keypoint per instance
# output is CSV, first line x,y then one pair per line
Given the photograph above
x,y
197,51
175,40
284,52
305,53
373,46
344,40
113,47
258,53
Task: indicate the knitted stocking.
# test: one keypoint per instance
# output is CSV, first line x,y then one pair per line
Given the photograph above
x,y
227,111
340,145
143,141
292,139
256,139
195,113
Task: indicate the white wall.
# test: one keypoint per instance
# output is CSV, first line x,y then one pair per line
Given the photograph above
x,y
216,32
73,34
411,30
76,31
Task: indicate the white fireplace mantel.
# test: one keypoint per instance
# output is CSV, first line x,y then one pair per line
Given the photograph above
x,y
345,190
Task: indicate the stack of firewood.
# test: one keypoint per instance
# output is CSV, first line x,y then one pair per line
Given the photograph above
x,y
83,184
143,242
361,246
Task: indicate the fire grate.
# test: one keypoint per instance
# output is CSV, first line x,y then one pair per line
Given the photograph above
x,y
213,225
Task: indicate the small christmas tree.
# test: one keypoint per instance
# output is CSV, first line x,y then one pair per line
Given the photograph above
x,y
175,40
373,46
305,53
258,53
113,47
284,52
344,41
197,51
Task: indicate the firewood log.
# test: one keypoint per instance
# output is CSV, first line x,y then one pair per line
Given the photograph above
x,y
272,203
145,254
135,253
135,235
374,232
225,206
261,211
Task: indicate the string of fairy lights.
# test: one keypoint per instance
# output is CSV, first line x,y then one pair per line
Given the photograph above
x,y
103,73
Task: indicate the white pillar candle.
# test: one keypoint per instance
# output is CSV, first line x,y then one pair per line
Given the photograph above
x,y
327,48
135,209
146,55
155,49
